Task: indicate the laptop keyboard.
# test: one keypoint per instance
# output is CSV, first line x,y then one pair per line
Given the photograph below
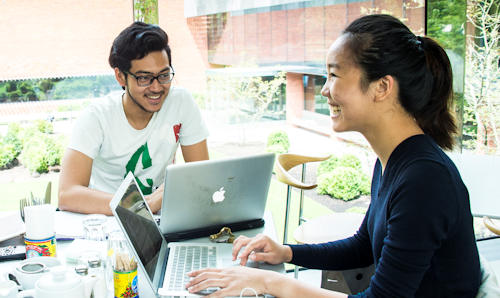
x,y
189,258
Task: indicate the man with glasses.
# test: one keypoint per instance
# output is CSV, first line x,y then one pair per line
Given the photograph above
x,y
139,131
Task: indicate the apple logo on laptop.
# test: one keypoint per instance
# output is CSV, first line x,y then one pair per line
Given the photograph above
x,y
218,196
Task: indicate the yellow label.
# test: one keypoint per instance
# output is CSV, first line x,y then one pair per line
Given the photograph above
x,y
125,284
38,248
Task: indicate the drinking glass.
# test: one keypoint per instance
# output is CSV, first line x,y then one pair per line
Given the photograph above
x,y
93,227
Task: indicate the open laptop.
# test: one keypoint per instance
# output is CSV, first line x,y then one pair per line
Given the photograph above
x,y
158,259
165,264
201,197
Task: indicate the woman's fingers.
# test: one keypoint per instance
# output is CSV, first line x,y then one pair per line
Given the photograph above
x,y
206,270
216,281
230,281
238,244
259,243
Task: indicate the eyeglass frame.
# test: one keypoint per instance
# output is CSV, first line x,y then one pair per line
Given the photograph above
x,y
172,72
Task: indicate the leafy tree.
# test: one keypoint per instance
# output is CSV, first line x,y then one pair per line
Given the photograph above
x,y
146,11
446,23
255,95
11,86
482,88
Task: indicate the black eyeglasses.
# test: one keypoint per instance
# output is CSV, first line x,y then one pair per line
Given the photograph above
x,y
147,80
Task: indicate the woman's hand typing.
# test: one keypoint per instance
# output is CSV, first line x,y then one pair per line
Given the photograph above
x,y
260,248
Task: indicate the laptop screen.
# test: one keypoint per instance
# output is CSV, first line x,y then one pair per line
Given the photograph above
x,y
140,228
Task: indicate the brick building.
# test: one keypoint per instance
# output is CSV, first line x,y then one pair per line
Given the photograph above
x,y
70,38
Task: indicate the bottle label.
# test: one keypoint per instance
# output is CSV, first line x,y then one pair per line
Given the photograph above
x,y
125,284
42,247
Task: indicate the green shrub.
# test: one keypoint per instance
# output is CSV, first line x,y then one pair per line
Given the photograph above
x,y
3,96
13,137
276,148
44,126
342,178
328,165
278,142
27,133
347,160
7,154
11,86
365,186
342,183
41,151
351,161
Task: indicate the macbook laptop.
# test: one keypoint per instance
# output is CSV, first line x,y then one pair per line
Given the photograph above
x,y
201,197
165,264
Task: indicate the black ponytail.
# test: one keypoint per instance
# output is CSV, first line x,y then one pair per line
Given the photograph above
x,y
436,118
382,45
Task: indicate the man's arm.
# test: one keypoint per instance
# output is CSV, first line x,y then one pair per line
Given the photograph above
x,y
74,193
195,152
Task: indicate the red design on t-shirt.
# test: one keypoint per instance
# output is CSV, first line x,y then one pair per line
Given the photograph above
x,y
177,128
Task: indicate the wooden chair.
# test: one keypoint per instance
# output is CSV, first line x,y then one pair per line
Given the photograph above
x,y
491,225
284,163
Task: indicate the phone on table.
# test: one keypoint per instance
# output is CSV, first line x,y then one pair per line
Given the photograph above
x,y
12,252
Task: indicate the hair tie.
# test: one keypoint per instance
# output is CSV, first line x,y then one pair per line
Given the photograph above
x,y
418,41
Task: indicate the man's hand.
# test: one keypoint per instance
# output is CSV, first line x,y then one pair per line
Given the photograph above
x,y
154,199
260,248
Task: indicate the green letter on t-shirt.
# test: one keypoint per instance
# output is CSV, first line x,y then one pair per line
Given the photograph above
x,y
146,163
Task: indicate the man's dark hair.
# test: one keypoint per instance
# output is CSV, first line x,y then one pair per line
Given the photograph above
x,y
135,42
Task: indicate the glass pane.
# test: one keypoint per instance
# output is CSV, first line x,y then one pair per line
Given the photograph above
x,y
482,77
446,24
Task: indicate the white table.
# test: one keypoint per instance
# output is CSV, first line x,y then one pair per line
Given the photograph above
x,y
68,219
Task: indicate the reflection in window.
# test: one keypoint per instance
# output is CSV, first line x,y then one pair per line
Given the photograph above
x,y
313,100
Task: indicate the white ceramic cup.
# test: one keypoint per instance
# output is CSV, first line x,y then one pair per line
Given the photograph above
x,y
8,289
30,270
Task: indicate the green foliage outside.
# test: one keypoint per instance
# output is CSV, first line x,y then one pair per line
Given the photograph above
x,y
44,126
35,146
146,11
50,89
7,154
277,142
342,178
42,151
446,24
10,146
347,160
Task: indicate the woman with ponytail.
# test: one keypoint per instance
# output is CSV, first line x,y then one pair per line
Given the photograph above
x,y
395,88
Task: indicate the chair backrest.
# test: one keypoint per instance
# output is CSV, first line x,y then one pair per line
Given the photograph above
x,y
287,161
481,175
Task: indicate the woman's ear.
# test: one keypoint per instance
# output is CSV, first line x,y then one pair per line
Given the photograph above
x,y
385,87
120,78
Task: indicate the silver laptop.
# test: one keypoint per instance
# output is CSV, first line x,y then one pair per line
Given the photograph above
x,y
214,193
165,264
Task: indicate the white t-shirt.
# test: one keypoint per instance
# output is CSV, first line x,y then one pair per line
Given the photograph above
x,y
103,133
